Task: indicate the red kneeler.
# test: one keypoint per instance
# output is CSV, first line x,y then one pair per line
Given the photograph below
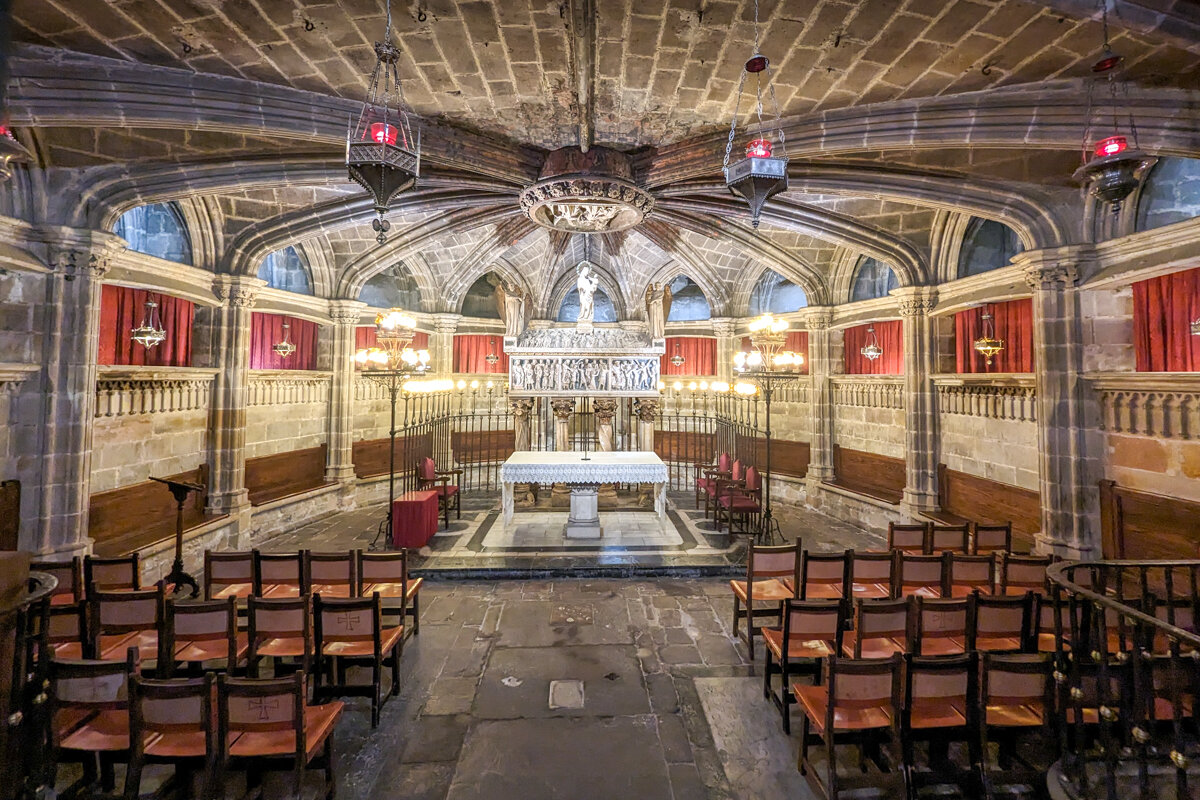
x,y
430,478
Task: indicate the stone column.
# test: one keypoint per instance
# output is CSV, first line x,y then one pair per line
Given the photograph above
x,y
69,355
563,407
646,409
227,415
727,346
820,368
345,315
1067,458
524,494
920,402
604,411
441,345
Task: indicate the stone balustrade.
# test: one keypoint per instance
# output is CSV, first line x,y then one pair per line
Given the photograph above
x,y
125,390
867,391
1005,397
278,387
1163,405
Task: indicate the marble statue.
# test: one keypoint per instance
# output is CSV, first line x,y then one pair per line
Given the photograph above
x,y
586,283
512,308
658,305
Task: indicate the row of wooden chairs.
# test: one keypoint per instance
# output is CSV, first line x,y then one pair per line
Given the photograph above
x,y
968,538
79,575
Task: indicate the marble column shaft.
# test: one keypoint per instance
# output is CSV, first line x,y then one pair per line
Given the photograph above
x,y
340,467
820,368
920,401
563,408
605,410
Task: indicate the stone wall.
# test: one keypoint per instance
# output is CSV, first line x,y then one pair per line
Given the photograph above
x,y
1107,320
372,411
868,415
22,322
286,410
989,430
129,448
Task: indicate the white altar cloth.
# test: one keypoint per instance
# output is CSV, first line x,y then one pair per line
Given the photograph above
x,y
569,467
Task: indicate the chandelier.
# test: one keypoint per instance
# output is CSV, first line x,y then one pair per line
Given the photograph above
x,y
491,358
768,334
150,333
407,360
394,331
284,348
760,175
987,344
382,154
11,151
1196,327
677,360
871,350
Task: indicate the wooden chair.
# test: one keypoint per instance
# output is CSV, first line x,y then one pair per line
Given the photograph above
x,y
1021,574
120,620
112,574
706,479
353,630
881,628
741,501
279,575
991,539
279,628
950,538
386,574
67,632
939,627
766,570
923,575
1016,697
430,478
330,574
859,703
999,624
228,573
194,633
941,698
89,709
824,576
266,724
966,574
69,575
872,574
811,631
173,722
911,538
1051,615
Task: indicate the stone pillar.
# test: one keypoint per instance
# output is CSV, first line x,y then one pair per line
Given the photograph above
x,y
920,402
1067,460
727,346
227,416
524,494
820,368
441,344
646,409
346,315
604,411
69,356
563,407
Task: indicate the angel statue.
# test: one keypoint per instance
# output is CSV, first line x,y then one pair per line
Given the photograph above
x,y
586,283
658,305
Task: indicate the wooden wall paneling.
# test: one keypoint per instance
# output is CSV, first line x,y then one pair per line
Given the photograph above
x,y
1142,525
970,497
131,518
877,476
477,447
277,476
371,455
10,514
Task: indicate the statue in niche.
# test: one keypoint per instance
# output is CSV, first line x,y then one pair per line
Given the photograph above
x,y
658,305
511,301
586,282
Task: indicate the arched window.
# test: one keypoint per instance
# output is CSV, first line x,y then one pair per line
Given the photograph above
x,y
156,230
688,302
987,245
1171,193
872,279
392,288
776,294
605,311
480,300
285,269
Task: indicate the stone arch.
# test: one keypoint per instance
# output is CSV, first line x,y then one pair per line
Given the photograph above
x,y
775,294
1170,193
872,279
986,245
157,229
565,284
287,269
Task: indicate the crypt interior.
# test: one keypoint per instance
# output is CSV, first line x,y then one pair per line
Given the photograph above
x,y
691,398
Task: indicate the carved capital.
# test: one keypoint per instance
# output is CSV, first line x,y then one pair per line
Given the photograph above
x,y
646,408
521,406
563,407
724,326
345,313
605,410
916,301
446,323
1051,277
235,292
73,263
818,318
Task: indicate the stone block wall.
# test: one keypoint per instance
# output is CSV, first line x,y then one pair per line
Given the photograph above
x,y
1003,450
372,411
1107,320
23,319
286,411
1154,464
868,415
129,448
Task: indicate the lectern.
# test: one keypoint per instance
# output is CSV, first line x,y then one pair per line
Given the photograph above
x,y
180,491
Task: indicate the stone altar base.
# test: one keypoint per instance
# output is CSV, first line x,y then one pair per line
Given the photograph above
x,y
584,519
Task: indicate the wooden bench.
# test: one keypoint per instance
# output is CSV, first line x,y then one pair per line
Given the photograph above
x,y
1141,525
282,475
970,498
123,521
869,474
371,455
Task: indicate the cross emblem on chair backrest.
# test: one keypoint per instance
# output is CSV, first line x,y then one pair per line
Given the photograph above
x,y
264,707
349,621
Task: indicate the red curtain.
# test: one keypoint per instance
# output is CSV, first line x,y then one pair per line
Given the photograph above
x,y
797,342
122,309
364,339
1163,311
1013,323
699,356
891,338
267,329
471,350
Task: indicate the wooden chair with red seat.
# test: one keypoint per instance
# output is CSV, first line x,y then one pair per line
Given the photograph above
x,y
69,575
1016,695
1051,614
279,575
119,574
279,629
386,574
1021,574
999,624
824,576
198,632
872,574
881,628
89,712
991,539
432,479
939,627
707,476
811,630
735,476
330,574
966,574
741,502
173,722
858,703
941,706
353,631
908,538
123,619
266,725
950,538
228,573
67,632
923,575
767,569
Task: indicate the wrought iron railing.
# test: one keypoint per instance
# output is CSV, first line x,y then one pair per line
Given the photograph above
x,y
1127,665
694,427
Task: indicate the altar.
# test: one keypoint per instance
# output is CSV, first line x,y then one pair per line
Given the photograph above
x,y
583,473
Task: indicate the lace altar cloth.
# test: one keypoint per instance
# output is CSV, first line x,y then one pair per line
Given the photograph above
x,y
569,467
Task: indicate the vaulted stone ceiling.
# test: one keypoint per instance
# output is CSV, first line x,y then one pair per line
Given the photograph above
x,y
895,110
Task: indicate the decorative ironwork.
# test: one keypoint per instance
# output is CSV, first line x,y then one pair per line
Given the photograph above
x,y
987,344
150,333
677,360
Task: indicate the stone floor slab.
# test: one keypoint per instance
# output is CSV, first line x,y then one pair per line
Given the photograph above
x,y
611,676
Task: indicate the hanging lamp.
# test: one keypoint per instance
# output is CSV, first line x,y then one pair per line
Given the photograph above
x,y
382,153
1196,327
677,360
871,350
150,333
491,358
987,344
284,348
761,174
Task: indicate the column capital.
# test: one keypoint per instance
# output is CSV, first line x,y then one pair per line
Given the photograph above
x,y
346,312
563,407
446,323
605,409
81,253
915,301
818,317
724,326
646,408
1051,277
521,406
237,291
